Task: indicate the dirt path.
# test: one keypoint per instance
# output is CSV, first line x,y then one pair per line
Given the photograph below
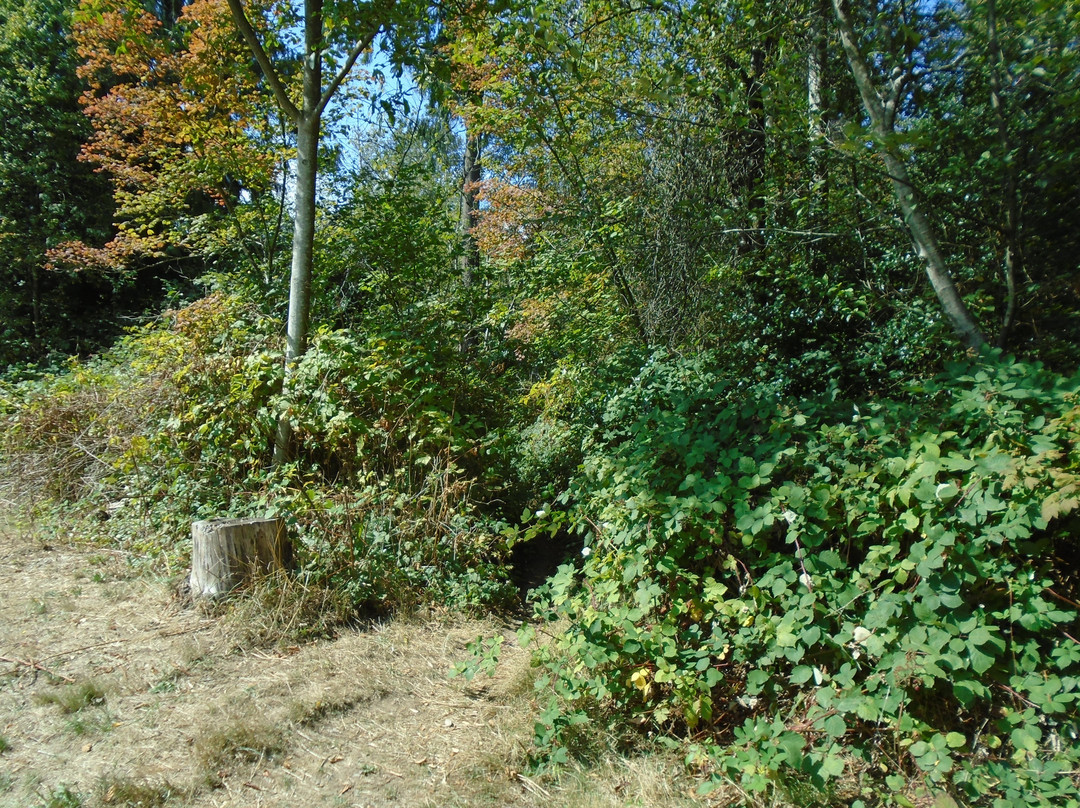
x,y
113,693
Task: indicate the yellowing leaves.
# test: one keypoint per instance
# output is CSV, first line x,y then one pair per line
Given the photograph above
x,y
177,116
1062,501
641,679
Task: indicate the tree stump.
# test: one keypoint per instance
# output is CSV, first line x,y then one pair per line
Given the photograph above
x,y
227,552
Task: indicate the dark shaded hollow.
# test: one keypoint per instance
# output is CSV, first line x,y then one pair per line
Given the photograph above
x,y
534,561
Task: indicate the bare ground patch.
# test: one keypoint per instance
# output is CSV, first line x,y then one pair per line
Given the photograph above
x,y
112,692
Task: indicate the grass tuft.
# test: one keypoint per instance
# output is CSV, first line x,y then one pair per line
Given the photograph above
x,y
280,610
62,797
74,697
126,792
244,739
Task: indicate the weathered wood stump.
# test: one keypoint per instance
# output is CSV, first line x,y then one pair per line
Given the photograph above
x,y
227,552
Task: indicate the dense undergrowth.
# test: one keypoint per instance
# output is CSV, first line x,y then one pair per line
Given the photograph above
x,y
818,600
175,424
852,600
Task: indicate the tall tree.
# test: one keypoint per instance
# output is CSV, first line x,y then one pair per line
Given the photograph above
x,y
469,211
883,104
46,195
334,36
180,126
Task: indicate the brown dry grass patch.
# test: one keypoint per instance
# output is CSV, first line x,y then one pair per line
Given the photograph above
x,y
211,710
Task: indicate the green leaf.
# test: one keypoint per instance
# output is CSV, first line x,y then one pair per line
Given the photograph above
x,y
834,726
832,766
801,674
980,662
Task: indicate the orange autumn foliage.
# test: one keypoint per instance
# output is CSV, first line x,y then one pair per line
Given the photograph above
x,y
509,218
180,124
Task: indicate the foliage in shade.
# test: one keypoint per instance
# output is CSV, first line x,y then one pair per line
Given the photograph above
x,y
46,196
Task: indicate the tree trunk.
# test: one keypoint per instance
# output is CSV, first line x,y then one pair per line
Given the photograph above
x,y
818,190
227,552
881,115
1014,255
304,204
307,119
303,246
816,56
470,178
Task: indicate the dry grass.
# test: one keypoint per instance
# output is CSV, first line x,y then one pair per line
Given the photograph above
x,y
281,609
127,792
198,716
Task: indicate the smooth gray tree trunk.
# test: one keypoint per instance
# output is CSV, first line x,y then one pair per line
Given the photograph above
x,y
818,187
306,119
817,54
304,201
881,112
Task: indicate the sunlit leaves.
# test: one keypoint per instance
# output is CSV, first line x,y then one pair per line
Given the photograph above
x,y
181,126
862,570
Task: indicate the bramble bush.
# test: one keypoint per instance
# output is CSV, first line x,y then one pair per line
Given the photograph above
x,y
881,594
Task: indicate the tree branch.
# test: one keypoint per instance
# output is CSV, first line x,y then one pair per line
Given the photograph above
x,y
267,66
354,54
918,224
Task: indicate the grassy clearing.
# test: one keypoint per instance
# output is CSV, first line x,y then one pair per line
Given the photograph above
x,y
183,711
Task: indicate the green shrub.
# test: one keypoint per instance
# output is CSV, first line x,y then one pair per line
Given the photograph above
x,y
805,591
176,424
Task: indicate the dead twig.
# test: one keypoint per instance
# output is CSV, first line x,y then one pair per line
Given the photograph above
x,y
533,787
35,665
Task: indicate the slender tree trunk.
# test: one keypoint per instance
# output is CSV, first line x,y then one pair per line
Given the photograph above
x,y
881,115
469,210
467,219
306,119
35,304
304,202
1014,256
816,56
303,247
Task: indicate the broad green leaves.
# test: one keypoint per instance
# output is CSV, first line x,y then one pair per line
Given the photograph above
x,y
885,579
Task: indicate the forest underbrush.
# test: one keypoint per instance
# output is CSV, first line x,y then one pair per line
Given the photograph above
x,y
805,600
